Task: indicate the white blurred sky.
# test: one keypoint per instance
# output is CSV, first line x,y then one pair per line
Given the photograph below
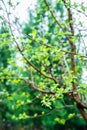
x,y
22,8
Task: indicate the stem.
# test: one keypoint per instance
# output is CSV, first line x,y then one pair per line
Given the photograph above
x,y
80,105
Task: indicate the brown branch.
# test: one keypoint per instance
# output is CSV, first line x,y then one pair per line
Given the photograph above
x,y
73,48
29,63
29,82
49,46
35,87
75,97
52,14
72,45
84,114
58,22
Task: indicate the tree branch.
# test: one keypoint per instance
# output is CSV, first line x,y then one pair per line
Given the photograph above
x,y
29,82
